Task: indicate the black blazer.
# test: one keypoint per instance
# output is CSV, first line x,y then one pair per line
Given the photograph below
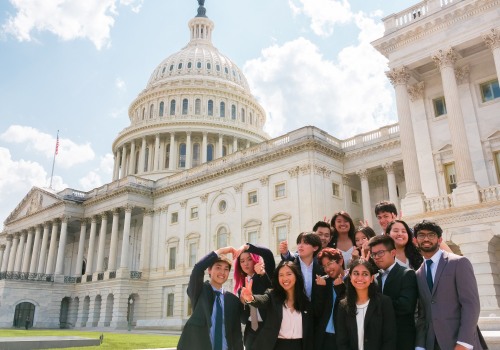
x,y
196,332
323,314
379,326
266,339
401,287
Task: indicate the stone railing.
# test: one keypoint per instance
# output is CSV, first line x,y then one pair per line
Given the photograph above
x,y
490,194
69,279
438,203
361,140
135,275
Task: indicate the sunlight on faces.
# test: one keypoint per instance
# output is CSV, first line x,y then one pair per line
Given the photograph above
x,y
361,278
324,235
342,225
383,258
385,218
331,267
247,264
219,273
360,239
427,244
399,234
286,278
305,250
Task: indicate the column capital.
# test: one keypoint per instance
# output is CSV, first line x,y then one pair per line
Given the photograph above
x,y
188,133
64,218
445,58
305,169
205,133
492,39
128,208
345,180
93,219
104,215
398,76
264,180
17,235
2,247
150,211
10,236
363,174
204,197
389,167
293,172
183,203
115,211
416,92
84,221
462,74
46,224
238,187
24,234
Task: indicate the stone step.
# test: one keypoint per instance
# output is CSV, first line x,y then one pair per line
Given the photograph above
x,y
49,342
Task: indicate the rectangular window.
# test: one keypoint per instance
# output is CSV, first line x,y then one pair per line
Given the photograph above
x,y
170,304
281,235
171,258
497,165
252,197
451,177
354,196
252,237
194,213
192,254
279,190
174,218
439,106
490,90
335,189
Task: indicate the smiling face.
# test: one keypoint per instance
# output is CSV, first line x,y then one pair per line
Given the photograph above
x,y
324,235
342,225
399,234
246,263
360,239
428,245
331,267
361,278
219,272
385,218
305,250
286,278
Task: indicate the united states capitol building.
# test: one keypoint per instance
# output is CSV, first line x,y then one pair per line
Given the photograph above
x,y
195,171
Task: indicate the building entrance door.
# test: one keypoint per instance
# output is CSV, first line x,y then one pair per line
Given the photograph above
x,y
24,315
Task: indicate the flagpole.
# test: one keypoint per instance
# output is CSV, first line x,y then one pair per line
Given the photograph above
x,y
54,159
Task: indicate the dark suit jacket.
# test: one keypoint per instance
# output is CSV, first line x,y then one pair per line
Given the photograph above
x,y
323,314
266,339
379,326
196,332
451,311
401,287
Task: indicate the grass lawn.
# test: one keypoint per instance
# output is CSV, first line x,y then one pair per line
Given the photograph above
x,y
111,340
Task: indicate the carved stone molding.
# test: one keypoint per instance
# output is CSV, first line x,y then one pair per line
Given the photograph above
x,y
462,74
327,173
345,180
445,58
416,92
183,203
363,174
492,39
238,188
305,169
319,170
389,168
17,235
204,197
264,180
398,76
293,172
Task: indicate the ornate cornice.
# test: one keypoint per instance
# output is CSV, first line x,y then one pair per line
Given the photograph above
x,y
416,92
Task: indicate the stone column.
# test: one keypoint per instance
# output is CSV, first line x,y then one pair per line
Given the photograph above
x,y
102,242
189,150
125,242
467,191
219,146
81,248
413,202
116,170
120,307
36,251
492,39
161,157
62,246
49,270
204,145
114,240
5,259
131,162
248,144
13,253
90,253
365,195
235,144
347,192
2,250
391,183
145,240
43,250
123,169
156,153
27,251
173,154
142,156
20,251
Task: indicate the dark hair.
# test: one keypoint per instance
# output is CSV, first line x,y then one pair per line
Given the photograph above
x,y
352,230
411,252
322,224
351,295
332,254
386,240
386,206
367,231
310,238
428,225
300,296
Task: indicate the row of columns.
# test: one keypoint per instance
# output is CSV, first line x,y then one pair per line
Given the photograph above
x,y
125,156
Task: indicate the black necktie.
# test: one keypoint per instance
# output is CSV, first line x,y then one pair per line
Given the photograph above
x,y
430,283
218,322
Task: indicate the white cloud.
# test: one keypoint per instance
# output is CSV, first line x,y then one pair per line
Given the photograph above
x,y
69,153
67,19
120,84
94,178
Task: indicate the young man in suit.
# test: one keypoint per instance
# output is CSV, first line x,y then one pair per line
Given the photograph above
x,y
398,283
386,212
215,321
448,295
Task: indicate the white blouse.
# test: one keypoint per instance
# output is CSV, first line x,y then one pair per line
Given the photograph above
x,y
360,322
291,324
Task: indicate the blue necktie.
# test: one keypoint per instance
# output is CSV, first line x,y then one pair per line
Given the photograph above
x,y
218,322
430,283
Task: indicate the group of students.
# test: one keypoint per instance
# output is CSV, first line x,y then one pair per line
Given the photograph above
x,y
343,289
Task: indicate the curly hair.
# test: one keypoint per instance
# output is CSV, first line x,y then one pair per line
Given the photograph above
x,y
300,296
411,252
351,295
335,233
239,274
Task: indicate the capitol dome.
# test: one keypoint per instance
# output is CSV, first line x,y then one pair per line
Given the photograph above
x,y
196,107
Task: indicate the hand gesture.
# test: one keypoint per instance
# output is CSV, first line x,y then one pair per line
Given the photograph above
x,y
243,248
260,268
363,223
320,281
246,291
283,247
226,250
356,253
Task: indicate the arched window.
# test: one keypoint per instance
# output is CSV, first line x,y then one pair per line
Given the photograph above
x,y
146,160
251,118
136,170
222,109
182,155
179,66
172,107
222,237
224,151
210,152
242,115
189,64
185,105
210,107
198,64
197,106
162,107
209,66
233,112
167,156
151,110
196,154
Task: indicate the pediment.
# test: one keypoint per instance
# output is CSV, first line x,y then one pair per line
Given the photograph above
x,y
36,200
252,223
445,148
494,136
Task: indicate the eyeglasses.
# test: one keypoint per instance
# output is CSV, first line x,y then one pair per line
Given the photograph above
x,y
328,264
430,236
379,254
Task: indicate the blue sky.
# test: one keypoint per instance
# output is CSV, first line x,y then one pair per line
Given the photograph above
x,y
76,65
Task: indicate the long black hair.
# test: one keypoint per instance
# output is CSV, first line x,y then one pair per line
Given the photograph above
x,y
411,252
351,295
351,233
300,296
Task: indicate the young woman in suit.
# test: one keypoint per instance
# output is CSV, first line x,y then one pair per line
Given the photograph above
x,y
407,254
289,320
366,317
256,264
